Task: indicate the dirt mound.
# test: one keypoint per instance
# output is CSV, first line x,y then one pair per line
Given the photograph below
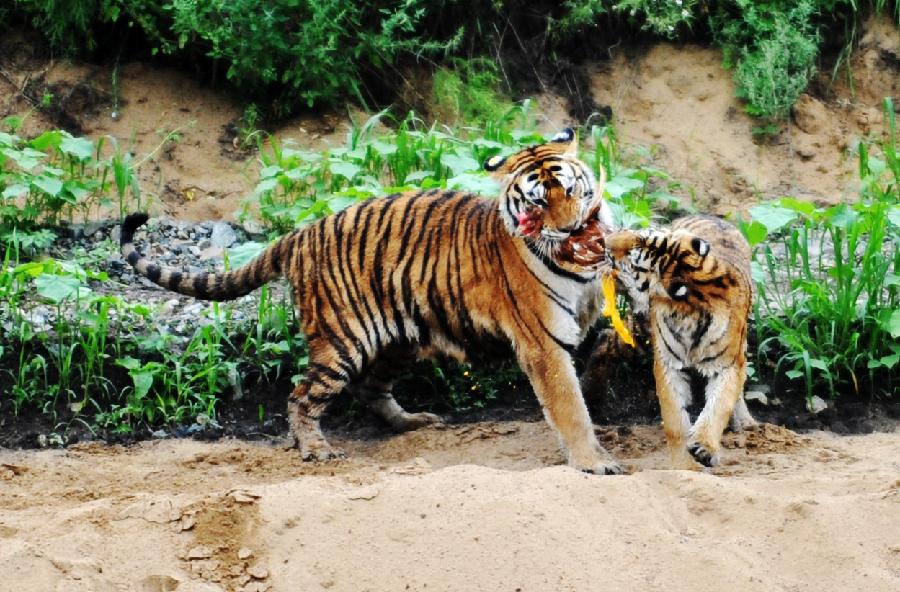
x,y
785,511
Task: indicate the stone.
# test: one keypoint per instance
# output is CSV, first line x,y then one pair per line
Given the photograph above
x,y
816,405
258,572
244,553
199,552
758,396
223,235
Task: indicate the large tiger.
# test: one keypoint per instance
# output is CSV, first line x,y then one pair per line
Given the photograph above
x,y
434,272
694,283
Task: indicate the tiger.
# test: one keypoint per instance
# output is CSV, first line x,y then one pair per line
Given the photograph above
x,y
433,273
693,282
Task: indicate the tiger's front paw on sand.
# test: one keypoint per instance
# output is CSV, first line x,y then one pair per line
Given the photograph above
x,y
703,454
320,451
607,468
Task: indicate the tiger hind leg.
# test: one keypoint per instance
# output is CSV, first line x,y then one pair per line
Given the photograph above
x,y
374,388
723,391
741,418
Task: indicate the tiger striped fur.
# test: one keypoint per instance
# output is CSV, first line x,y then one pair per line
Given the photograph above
x,y
694,283
433,272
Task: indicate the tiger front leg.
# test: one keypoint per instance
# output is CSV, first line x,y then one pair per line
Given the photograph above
x,y
722,393
553,378
673,391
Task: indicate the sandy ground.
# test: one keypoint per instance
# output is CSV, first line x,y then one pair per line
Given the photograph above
x,y
471,507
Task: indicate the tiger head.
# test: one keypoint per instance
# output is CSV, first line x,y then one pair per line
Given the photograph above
x,y
547,193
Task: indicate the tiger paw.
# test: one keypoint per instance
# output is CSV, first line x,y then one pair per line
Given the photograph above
x,y
320,451
607,468
703,455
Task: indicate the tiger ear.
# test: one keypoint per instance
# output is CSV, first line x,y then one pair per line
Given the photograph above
x,y
494,163
569,137
564,136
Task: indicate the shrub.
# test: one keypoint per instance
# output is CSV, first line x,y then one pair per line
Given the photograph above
x,y
772,47
316,51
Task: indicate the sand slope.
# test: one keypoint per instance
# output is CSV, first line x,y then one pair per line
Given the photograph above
x,y
784,512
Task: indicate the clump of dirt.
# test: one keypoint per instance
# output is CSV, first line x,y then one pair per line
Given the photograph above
x,y
765,437
222,549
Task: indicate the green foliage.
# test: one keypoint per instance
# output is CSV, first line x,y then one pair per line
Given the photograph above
x,y
311,50
772,47
53,176
467,92
828,281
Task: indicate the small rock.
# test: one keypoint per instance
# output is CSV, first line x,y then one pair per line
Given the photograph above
x,y
213,252
258,572
223,235
816,404
199,552
159,434
244,553
757,396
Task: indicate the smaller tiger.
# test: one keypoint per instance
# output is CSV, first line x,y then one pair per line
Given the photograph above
x,y
693,281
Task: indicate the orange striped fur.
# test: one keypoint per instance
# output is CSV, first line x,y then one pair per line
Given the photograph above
x,y
694,282
432,273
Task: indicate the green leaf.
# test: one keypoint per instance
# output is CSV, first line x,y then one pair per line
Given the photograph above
x,y
80,148
340,202
460,164
244,253
755,232
894,215
843,216
266,185
348,170
820,364
142,383
58,287
129,363
773,216
49,185
475,182
416,176
270,171
891,323
14,191
49,139
793,374
620,185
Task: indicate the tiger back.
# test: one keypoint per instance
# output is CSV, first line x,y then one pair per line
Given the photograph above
x,y
433,273
693,284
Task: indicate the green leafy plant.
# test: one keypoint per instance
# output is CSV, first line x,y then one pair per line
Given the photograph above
x,y
828,281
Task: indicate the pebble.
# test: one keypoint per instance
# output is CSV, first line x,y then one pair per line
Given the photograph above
x,y
244,553
258,572
223,235
816,405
